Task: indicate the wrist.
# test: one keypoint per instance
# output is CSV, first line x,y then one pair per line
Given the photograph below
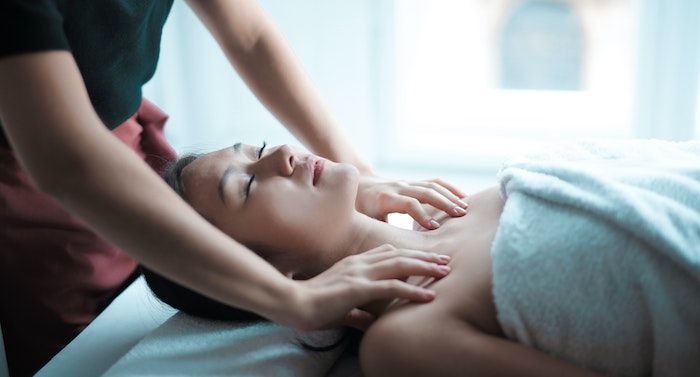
x,y
364,168
290,307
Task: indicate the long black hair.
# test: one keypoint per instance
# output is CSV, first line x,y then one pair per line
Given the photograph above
x,y
195,304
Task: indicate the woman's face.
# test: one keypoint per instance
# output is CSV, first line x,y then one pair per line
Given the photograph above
x,y
293,208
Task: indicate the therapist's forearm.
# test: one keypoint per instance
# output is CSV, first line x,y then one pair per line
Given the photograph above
x,y
267,64
276,77
71,156
120,197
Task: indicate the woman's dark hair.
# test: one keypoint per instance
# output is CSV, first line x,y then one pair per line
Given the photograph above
x,y
195,304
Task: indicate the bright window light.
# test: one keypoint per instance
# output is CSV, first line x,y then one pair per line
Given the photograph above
x,y
484,79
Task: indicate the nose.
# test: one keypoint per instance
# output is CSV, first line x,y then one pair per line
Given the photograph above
x,y
280,161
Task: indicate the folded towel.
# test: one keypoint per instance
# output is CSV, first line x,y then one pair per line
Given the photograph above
x,y
189,346
597,256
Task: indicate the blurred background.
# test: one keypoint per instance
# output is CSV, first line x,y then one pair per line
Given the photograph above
x,y
451,88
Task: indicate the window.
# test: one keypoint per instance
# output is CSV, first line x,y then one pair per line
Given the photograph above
x,y
479,80
541,47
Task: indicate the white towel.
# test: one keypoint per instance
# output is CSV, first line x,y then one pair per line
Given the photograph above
x,y
189,346
597,256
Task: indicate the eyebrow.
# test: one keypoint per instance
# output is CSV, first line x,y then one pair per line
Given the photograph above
x,y
227,174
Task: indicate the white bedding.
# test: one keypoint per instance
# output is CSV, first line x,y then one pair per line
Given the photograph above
x,y
189,346
132,315
126,321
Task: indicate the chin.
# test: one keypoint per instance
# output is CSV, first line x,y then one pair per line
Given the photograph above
x,y
350,171
342,174
351,178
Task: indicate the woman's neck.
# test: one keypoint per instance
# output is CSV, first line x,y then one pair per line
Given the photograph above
x,y
368,233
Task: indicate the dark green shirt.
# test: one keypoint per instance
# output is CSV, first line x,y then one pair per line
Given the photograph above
x,y
114,42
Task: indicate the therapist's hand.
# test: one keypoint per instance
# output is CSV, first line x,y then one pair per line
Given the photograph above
x,y
377,197
331,298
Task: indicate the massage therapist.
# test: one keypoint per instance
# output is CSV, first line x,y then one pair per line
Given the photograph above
x,y
81,200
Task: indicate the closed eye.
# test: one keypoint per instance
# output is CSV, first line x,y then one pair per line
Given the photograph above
x,y
252,177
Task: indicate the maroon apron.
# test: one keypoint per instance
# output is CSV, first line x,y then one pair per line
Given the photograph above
x,y
56,275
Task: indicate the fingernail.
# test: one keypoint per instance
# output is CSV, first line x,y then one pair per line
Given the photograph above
x,y
434,224
444,269
458,211
429,294
462,203
444,258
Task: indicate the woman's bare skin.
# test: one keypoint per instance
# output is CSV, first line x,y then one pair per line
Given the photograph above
x,y
458,333
467,290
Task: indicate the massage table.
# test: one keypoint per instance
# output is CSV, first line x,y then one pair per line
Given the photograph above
x,y
131,317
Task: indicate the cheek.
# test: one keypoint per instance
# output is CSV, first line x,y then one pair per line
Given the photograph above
x,y
276,216
286,216
339,194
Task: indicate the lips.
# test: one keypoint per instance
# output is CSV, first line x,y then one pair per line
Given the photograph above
x,y
318,169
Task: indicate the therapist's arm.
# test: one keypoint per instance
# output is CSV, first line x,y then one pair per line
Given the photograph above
x,y
264,60
70,155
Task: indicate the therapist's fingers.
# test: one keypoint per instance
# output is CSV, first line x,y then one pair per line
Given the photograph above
x,y
442,190
453,189
412,207
358,280
397,288
407,266
379,250
436,199
392,252
358,319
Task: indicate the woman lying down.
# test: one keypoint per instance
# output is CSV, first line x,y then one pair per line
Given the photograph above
x,y
585,260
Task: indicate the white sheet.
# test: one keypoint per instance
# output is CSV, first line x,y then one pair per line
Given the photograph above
x,y
188,346
127,320
132,315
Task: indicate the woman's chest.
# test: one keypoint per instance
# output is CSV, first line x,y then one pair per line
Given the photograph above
x,y
467,291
